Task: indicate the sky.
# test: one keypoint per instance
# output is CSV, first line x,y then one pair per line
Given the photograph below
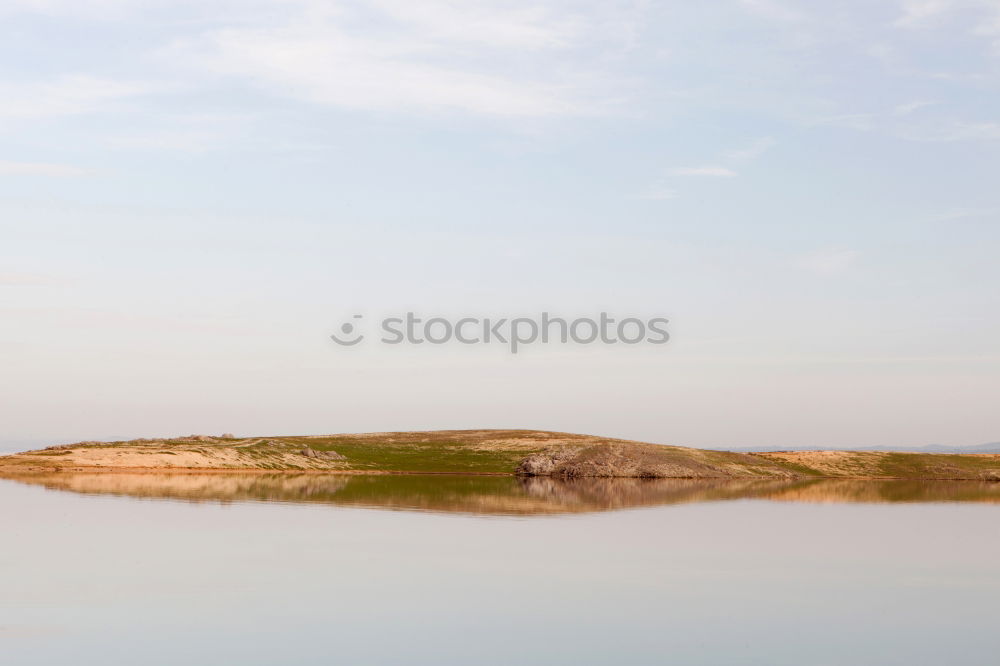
x,y
195,195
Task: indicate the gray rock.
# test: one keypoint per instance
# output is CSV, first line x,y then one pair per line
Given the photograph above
x,y
329,455
546,462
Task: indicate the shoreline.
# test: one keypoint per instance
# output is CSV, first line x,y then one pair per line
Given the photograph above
x,y
15,471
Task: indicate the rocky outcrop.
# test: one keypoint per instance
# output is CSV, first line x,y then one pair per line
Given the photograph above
x,y
329,455
546,463
624,460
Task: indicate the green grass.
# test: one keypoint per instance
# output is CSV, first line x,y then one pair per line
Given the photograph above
x,y
910,465
434,456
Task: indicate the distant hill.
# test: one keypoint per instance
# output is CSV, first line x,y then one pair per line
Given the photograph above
x,y
993,447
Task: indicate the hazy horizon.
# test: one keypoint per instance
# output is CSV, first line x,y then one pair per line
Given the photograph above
x,y
18,445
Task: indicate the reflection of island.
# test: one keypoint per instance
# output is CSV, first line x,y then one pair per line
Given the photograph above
x,y
498,495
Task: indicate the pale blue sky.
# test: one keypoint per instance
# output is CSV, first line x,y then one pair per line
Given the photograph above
x,y
194,194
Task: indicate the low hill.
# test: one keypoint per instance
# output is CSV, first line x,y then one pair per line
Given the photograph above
x,y
498,452
993,447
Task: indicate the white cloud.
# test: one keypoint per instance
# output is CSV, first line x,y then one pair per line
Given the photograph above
x,y
412,57
713,171
827,262
772,10
190,133
8,168
63,7
68,95
856,121
527,27
337,71
990,28
919,13
751,151
916,12
747,153
910,107
957,131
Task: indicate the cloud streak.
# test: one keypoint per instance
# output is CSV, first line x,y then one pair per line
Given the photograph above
x,y
436,56
709,171
752,151
916,12
65,96
659,193
8,168
828,262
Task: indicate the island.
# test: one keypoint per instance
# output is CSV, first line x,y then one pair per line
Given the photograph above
x,y
522,453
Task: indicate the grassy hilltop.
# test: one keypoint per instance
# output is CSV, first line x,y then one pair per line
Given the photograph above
x,y
502,452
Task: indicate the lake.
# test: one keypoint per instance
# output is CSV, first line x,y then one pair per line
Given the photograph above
x,y
314,569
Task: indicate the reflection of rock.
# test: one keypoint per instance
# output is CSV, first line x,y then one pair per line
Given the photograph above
x,y
598,493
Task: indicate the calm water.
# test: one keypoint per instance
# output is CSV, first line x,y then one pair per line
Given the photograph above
x,y
302,570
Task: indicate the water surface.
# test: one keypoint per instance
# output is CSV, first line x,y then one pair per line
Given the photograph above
x,y
305,572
